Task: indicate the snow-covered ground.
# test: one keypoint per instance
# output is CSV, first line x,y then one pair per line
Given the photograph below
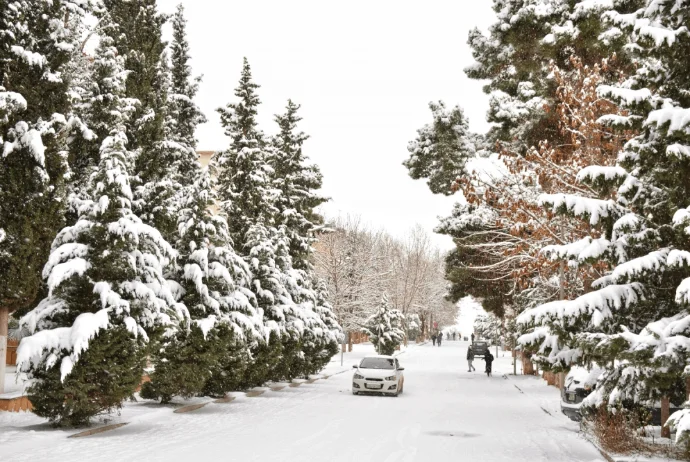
x,y
445,413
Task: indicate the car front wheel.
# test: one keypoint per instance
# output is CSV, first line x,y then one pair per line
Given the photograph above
x,y
355,393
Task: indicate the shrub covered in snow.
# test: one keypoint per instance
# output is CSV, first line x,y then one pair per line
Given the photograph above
x,y
385,328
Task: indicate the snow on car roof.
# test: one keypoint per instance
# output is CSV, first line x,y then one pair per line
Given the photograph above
x,y
380,356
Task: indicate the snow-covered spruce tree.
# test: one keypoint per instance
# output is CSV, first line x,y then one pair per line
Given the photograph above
x,y
154,177
244,175
183,114
36,120
277,359
440,151
209,352
488,327
516,55
320,351
643,227
298,183
313,322
385,328
107,295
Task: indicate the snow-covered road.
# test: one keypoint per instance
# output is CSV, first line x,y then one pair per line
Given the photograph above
x,y
445,413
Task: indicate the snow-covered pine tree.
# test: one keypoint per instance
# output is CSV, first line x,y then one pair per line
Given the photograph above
x,y
440,151
644,227
183,114
327,345
488,327
308,323
107,295
209,352
154,179
298,182
36,120
516,55
244,175
385,328
276,359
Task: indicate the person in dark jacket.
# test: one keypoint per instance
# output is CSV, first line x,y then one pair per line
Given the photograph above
x,y
473,337
488,358
470,358
439,338
433,339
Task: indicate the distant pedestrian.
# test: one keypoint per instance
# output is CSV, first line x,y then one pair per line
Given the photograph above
x,y
489,358
440,337
433,339
454,334
470,358
473,337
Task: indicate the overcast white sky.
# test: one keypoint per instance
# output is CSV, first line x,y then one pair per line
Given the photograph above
x,y
364,73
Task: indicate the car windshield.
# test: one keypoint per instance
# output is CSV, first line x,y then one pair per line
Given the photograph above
x,y
377,363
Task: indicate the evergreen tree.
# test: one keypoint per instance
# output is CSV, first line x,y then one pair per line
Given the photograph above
x,y
154,178
278,359
385,328
516,57
297,183
643,227
441,150
209,353
107,295
244,175
184,112
320,343
36,45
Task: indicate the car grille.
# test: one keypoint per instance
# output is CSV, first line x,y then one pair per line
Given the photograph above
x,y
374,380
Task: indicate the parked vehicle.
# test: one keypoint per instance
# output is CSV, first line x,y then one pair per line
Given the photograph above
x,y
580,382
379,374
480,348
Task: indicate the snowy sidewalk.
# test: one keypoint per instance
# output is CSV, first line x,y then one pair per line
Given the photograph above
x,y
444,414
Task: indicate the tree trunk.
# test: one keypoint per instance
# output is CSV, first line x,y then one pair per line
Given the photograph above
x,y
4,326
665,412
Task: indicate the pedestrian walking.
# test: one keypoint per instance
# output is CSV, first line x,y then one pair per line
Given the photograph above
x,y
472,337
488,358
440,337
433,339
470,358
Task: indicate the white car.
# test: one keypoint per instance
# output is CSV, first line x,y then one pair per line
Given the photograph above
x,y
378,374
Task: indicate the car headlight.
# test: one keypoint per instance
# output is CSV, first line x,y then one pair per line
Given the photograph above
x,y
391,378
358,376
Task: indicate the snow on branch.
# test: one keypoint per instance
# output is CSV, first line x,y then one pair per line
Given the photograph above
x,y
586,249
587,208
48,344
597,305
595,173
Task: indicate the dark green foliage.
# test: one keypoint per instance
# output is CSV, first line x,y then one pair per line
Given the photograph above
x,y
190,364
107,373
298,183
32,106
244,176
139,41
265,359
440,151
184,113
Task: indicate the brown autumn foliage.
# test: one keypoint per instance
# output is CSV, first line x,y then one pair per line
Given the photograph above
x,y
522,229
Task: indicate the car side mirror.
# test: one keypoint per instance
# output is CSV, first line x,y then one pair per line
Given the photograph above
x,y
401,368
354,366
